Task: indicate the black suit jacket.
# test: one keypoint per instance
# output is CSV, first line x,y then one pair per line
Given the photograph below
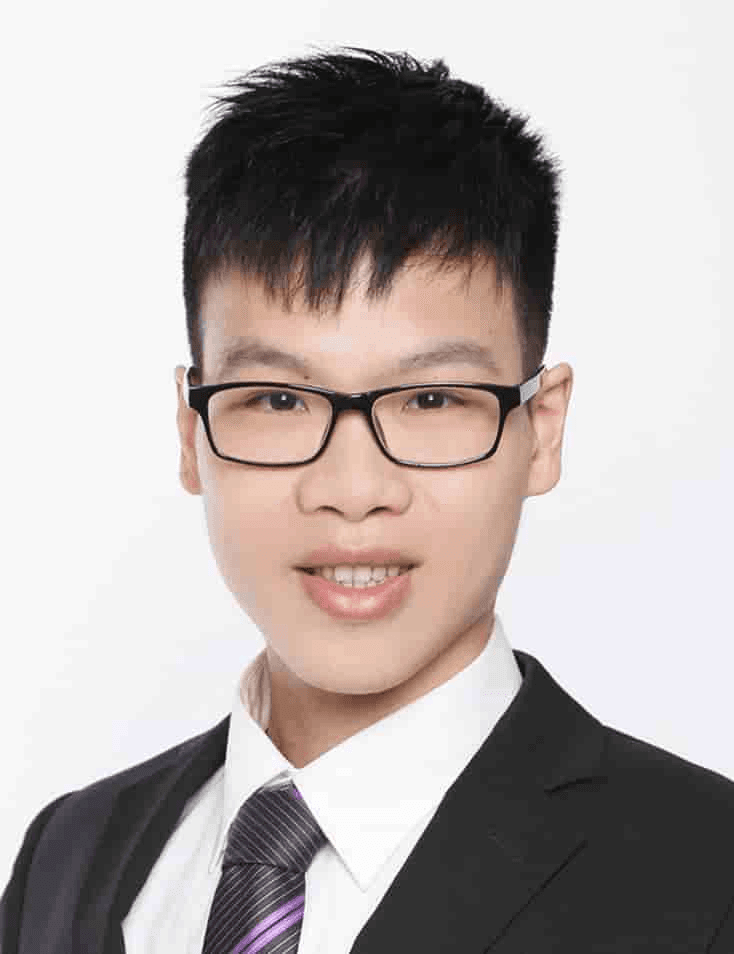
x,y
561,835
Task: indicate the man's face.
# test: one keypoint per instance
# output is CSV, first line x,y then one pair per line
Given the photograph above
x,y
458,523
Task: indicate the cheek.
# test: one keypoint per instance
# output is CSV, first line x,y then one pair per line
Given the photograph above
x,y
477,523
243,523
477,497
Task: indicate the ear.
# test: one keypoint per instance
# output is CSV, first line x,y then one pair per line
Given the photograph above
x,y
186,419
547,410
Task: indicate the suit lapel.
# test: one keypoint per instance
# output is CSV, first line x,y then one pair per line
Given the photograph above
x,y
141,820
504,828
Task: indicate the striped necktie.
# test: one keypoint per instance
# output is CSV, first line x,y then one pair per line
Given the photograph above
x,y
259,901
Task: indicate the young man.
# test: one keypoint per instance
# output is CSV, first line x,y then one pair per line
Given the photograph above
x,y
364,416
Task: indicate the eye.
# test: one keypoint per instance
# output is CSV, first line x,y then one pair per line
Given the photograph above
x,y
433,405
281,405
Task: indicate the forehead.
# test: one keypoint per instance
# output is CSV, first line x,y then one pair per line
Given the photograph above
x,y
429,318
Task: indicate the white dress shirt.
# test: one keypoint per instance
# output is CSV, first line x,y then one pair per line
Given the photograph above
x,y
372,794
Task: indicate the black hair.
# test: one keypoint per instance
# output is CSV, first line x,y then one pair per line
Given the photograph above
x,y
313,161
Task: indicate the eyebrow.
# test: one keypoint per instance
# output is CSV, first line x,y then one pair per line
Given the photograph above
x,y
249,350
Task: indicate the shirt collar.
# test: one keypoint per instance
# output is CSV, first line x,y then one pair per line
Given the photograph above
x,y
364,810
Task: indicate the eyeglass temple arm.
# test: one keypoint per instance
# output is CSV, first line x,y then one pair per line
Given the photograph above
x,y
186,384
531,386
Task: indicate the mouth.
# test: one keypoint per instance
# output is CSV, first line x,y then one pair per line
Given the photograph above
x,y
354,598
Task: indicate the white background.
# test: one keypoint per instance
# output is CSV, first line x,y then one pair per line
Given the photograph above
x,y
119,637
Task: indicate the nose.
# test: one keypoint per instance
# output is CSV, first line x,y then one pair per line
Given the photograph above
x,y
353,477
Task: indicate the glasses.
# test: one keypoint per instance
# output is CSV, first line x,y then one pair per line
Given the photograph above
x,y
276,424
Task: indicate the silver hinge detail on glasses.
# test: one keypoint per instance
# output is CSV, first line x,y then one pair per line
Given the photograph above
x,y
530,387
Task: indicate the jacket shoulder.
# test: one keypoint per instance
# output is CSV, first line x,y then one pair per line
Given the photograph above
x,y
77,810
633,761
11,901
661,808
70,824
666,822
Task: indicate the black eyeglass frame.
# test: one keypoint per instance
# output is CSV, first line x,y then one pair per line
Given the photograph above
x,y
509,396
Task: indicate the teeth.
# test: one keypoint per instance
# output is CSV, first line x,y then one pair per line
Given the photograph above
x,y
358,575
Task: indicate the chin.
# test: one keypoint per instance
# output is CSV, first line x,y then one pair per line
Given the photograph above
x,y
357,678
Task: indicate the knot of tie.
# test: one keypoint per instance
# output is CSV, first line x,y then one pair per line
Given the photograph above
x,y
274,827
